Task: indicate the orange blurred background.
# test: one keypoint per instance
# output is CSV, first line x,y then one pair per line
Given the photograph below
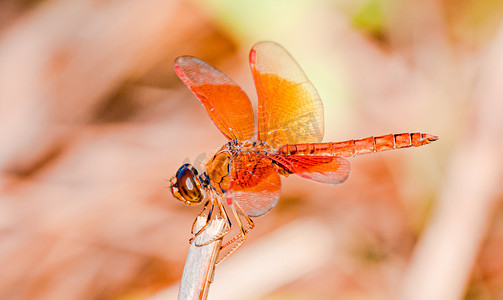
x,y
94,121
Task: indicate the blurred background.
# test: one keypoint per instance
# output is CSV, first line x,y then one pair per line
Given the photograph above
x,y
94,122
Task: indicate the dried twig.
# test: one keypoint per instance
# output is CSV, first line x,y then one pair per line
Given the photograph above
x,y
200,263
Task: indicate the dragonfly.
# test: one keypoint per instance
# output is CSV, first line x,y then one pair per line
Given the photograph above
x,y
244,174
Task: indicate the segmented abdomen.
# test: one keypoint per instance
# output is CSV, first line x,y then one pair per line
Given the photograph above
x,y
362,146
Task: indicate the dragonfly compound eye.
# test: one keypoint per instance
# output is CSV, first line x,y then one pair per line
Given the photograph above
x,y
186,186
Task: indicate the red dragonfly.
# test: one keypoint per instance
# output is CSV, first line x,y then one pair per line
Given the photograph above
x,y
245,172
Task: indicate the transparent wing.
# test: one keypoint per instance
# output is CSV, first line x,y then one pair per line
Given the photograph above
x,y
324,169
225,102
290,110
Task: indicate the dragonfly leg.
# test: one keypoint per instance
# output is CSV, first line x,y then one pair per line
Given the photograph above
x,y
223,213
240,238
251,224
216,208
201,214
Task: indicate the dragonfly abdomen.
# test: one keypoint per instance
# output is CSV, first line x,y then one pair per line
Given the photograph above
x,y
361,146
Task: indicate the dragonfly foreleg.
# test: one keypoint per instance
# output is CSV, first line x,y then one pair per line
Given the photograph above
x,y
202,214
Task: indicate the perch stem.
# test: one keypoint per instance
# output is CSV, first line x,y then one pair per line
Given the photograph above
x,y
200,264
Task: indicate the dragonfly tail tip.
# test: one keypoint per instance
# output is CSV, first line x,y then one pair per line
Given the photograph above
x,y
429,137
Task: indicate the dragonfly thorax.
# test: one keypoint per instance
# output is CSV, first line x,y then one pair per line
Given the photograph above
x,y
217,167
236,146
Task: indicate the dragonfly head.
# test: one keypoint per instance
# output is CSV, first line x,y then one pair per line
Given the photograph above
x,y
186,186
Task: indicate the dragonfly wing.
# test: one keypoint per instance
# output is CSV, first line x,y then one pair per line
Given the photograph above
x,y
290,110
225,102
255,183
324,169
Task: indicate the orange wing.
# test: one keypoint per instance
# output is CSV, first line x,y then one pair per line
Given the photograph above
x,y
290,110
226,104
255,183
324,169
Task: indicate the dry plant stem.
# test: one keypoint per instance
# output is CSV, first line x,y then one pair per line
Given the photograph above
x,y
443,260
200,263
